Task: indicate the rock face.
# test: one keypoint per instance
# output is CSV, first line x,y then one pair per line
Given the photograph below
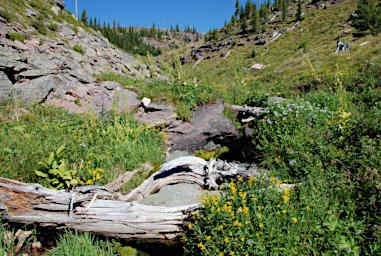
x,y
208,129
49,70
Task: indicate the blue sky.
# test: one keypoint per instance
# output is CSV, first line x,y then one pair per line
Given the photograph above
x,y
204,14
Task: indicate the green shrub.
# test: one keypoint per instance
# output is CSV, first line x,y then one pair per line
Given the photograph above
x,y
18,36
39,25
253,53
72,243
53,27
9,17
78,49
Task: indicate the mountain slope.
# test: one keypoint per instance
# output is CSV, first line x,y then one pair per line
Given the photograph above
x,y
294,54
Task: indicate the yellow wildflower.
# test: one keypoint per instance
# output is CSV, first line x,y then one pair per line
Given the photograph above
x,y
260,208
226,240
345,115
254,199
261,225
245,210
90,182
284,211
220,227
190,226
294,220
308,208
272,179
252,179
242,239
286,198
208,238
221,254
201,246
278,213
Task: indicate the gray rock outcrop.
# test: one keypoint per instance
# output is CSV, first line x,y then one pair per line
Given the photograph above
x,y
48,70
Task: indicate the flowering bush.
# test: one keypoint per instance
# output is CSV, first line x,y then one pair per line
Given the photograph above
x,y
262,217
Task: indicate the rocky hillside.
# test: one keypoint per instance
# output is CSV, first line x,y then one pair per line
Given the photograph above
x,y
220,42
49,57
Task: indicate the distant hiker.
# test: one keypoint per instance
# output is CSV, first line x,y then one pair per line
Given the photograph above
x,y
346,47
342,46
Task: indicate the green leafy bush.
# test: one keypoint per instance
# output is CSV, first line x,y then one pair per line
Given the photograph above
x,y
55,171
78,49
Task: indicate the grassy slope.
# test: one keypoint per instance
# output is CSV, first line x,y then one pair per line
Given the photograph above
x,y
295,58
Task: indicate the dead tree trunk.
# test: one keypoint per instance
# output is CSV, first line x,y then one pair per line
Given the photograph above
x,y
104,211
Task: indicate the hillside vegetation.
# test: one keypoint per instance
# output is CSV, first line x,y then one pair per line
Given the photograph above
x,y
319,139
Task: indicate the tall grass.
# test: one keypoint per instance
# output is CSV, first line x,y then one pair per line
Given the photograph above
x,y
72,243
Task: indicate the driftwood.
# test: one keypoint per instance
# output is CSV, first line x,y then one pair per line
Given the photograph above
x,y
104,211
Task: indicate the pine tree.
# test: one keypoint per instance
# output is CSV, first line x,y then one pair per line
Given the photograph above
x,y
299,13
368,16
276,5
244,25
84,17
264,13
91,22
234,20
242,13
254,18
237,9
95,23
248,8
284,10
177,28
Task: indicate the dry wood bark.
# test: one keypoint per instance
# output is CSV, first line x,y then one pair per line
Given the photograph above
x,y
103,211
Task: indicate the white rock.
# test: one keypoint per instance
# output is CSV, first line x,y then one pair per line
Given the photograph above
x,y
146,102
257,66
364,43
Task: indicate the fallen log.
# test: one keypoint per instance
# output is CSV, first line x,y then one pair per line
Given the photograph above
x,y
102,210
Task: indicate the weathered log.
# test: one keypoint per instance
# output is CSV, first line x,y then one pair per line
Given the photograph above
x,y
103,211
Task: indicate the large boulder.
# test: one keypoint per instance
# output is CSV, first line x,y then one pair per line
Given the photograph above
x,y
37,90
208,129
5,86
